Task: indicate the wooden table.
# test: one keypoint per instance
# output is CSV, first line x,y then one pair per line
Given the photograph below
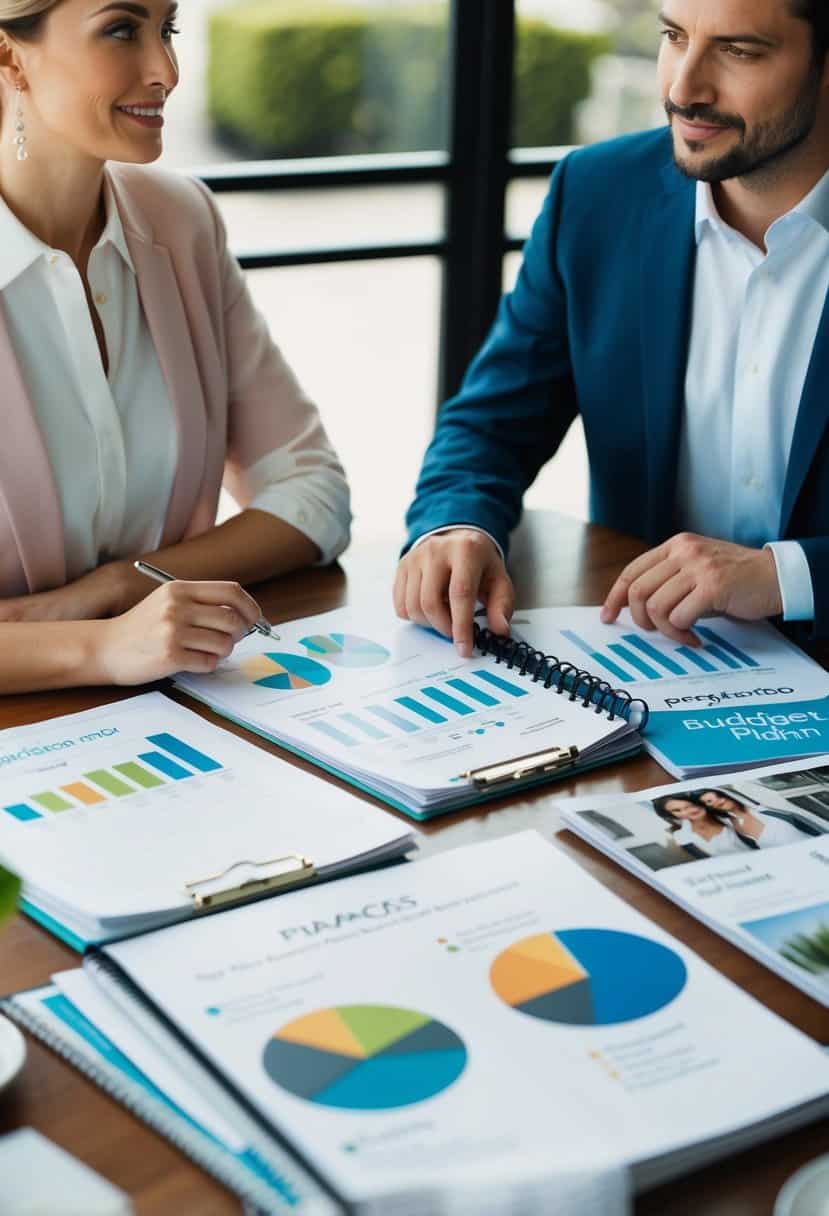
x,y
556,560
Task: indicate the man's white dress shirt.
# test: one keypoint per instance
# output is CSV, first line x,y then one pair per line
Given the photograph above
x,y
755,320
111,436
754,323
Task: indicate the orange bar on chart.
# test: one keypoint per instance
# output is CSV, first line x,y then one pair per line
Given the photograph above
x,y
83,793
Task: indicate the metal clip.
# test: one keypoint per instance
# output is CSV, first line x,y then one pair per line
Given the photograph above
x,y
536,764
248,879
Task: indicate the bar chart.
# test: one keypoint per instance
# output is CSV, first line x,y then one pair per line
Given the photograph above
x,y
636,657
437,704
169,759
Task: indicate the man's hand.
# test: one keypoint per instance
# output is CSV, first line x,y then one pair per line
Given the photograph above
x,y
439,581
671,587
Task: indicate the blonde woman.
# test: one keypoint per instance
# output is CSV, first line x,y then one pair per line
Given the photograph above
x,y
135,374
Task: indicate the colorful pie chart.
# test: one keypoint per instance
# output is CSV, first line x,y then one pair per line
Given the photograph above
x,y
345,649
285,671
365,1057
587,977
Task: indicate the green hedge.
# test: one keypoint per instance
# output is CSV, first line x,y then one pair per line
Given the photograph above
x,y
289,79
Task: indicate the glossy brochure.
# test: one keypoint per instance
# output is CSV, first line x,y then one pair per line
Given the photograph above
x,y
747,854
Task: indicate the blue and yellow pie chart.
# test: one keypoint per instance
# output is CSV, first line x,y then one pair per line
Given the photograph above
x,y
365,1057
587,977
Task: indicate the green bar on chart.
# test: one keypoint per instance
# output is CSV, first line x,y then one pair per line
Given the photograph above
x,y
109,783
52,802
141,776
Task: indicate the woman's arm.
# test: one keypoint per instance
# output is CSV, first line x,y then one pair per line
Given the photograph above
x,y
182,626
248,548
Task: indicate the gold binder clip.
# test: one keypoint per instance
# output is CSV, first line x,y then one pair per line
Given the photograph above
x,y
534,765
246,878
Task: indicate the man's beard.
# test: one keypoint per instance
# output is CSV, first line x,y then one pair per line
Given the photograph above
x,y
762,149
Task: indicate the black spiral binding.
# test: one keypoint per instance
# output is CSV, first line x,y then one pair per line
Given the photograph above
x,y
564,677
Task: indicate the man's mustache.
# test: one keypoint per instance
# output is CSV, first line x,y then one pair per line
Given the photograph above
x,y
706,114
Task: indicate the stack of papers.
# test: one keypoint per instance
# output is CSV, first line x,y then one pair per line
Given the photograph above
x,y
392,708
469,1034
123,818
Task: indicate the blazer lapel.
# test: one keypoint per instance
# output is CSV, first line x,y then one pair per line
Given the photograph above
x,y
28,483
161,300
668,255
811,420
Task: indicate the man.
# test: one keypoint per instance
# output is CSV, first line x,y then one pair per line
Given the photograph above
x,y
674,293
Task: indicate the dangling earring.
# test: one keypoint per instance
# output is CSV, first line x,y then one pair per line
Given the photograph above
x,y
20,128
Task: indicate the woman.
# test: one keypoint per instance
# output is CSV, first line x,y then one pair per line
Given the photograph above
x,y
135,374
770,829
691,822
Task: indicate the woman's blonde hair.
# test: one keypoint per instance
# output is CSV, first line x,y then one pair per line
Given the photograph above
x,y
21,18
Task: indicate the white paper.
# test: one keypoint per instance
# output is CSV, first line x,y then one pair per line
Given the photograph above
x,y
621,1070
131,854
393,704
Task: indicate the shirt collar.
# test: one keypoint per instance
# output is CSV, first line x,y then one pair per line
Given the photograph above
x,y
815,206
21,248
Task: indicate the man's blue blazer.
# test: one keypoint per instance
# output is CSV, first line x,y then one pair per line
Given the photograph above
x,y
598,325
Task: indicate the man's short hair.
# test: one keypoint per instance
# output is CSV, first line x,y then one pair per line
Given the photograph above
x,y
816,12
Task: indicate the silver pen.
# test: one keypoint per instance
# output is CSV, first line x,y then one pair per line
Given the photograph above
x,y
162,576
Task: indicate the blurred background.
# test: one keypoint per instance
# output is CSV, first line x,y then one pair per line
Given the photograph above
x,y
292,81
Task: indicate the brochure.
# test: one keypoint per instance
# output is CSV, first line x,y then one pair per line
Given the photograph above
x,y
748,856
745,696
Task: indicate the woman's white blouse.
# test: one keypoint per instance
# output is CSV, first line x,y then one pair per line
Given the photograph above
x,y
112,437
726,841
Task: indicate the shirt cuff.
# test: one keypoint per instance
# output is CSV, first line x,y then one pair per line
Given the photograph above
x,y
795,580
453,528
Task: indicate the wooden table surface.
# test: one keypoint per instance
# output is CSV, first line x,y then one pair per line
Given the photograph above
x,y
555,560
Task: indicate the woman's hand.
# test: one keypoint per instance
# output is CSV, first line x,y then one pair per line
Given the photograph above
x,y
104,592
183,626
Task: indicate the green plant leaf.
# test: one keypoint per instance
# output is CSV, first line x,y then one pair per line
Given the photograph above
x,y
9,891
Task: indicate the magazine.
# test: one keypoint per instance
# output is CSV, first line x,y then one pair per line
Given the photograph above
x,y
747,854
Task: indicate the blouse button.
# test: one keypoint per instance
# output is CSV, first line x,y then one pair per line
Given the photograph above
x,y
100,298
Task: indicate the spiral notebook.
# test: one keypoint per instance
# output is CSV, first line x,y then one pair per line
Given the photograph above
x,y
393,709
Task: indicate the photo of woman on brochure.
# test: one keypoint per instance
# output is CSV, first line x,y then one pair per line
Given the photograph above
x,y
742,817
718,822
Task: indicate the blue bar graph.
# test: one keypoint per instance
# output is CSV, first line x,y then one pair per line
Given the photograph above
x,y
20,811
444,699
394,719
165,765
475,694
654,654
637,663
514,690
339,736
366,727
693,656
417,707
722,656
188,754
612,667
712,636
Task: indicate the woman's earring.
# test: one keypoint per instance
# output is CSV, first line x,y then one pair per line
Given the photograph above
x,y
20,128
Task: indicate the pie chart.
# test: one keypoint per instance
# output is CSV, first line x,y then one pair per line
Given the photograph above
x,y
345,649
364,1057
285,671
587,977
